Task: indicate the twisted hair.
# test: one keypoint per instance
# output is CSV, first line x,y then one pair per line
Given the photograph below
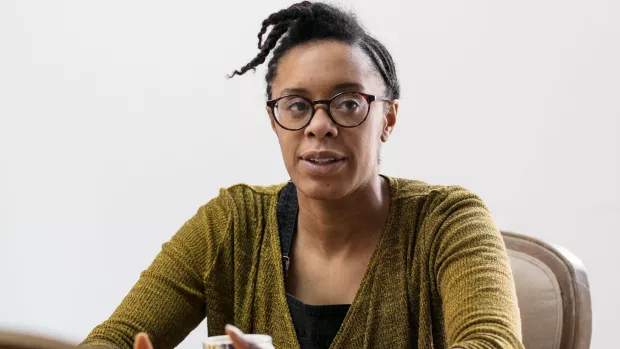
x,y
305,22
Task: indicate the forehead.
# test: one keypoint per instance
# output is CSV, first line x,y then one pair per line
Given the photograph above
x,y
320,67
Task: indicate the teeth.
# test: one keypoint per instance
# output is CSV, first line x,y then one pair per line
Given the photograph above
x,y
322,160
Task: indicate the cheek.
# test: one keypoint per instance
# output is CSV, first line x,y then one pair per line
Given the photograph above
x,y
369,141
288,146
364,143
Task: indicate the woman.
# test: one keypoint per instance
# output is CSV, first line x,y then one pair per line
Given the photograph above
x,y
340,256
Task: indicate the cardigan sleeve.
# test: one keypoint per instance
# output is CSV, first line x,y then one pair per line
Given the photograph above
x,y
168,301
472,275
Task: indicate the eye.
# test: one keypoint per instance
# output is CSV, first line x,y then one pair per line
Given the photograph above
x,y
349,104
297,105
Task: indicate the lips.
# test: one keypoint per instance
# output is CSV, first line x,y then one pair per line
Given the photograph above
x,y
322,162
321,156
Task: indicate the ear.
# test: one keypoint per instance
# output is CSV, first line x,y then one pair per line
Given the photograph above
x,y
273,123
390,120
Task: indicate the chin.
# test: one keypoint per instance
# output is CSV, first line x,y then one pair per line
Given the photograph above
x,y
323,188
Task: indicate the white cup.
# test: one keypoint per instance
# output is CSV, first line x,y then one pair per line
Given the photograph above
x,y
262,341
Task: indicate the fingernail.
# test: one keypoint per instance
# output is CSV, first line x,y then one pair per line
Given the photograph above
x,y
234,329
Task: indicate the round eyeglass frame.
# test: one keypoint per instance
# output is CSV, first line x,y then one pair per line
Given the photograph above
x,y
272,103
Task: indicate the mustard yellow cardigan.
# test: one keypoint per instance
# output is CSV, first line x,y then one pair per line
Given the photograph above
x,y
439,277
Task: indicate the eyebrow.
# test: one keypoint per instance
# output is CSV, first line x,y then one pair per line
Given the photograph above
x,y
349,86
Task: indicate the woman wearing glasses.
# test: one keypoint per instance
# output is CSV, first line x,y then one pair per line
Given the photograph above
x,y
340,256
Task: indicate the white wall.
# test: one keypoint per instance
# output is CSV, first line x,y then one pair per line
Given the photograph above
x,y
117,123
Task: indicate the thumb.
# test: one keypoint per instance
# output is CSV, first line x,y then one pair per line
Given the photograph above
x,y
236,336
142,341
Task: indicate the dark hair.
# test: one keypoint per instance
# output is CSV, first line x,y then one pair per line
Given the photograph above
x,y
305,22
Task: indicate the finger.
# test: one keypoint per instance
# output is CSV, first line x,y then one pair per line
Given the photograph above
x,y
236,336
142,341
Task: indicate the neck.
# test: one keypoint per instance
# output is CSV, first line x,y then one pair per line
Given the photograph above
x,y
334,226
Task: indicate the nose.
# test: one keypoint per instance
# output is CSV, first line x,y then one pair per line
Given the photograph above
x,y
321,124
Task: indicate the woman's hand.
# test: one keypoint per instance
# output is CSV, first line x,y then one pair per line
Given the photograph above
x,y
142,340
236,336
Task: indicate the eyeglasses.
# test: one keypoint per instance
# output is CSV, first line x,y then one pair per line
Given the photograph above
x,y
346,109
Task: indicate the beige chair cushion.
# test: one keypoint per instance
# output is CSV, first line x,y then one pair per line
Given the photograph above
x,y
540,301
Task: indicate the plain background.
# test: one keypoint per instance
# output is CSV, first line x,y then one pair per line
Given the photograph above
x,y
117,123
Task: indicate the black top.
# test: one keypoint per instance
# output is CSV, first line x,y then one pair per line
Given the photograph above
x,y
315,325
